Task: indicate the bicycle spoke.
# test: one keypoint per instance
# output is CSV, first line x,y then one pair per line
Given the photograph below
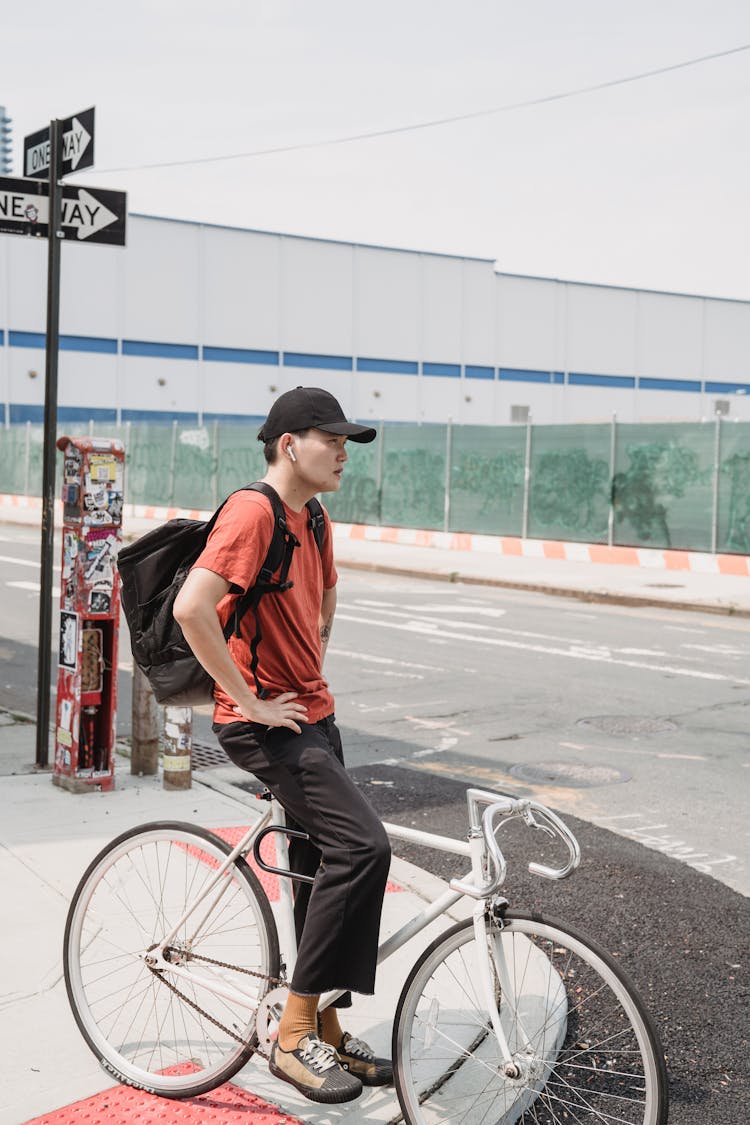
x,y
570,1027
158,1028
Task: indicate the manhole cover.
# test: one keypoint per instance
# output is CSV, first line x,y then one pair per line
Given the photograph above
x,y
204,756
573,774
627,724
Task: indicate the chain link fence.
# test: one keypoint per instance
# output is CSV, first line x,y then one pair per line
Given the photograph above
x,y
680,485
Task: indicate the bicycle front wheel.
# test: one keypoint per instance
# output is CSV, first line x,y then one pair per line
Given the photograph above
x,y
582,1044
173,1032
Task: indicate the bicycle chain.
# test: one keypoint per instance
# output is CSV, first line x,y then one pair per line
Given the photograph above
x,y
275,981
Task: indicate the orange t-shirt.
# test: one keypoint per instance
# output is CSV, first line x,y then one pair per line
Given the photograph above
x,y
289,654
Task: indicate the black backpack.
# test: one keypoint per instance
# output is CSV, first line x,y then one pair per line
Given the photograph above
x,y
153,570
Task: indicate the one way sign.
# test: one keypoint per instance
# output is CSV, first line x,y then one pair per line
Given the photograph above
x,y
77,144
88,214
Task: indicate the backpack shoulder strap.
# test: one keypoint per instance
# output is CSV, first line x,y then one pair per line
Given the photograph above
x,y
283,541
317,521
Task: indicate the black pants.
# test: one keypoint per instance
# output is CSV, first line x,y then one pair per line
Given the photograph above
x,y
337,918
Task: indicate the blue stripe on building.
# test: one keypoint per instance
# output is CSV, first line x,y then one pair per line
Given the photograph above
x,y
580,380
650,384
728,388
156,349
518,375
28,412
100,344
166,416
445,370
159,351
27,339
240,355
389,366
329,362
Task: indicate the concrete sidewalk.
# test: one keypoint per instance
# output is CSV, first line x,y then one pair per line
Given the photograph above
x,y
47,838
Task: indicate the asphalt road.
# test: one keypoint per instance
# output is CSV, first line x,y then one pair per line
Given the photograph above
x,y
682,937
631,722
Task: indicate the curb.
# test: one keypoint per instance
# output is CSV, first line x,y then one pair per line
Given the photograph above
x,y
599,597
695,562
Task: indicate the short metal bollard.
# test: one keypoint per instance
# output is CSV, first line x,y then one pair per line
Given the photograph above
x,y
178,745
144,743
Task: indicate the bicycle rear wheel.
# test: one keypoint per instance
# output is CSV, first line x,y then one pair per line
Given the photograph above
x,y
585,1048
128,900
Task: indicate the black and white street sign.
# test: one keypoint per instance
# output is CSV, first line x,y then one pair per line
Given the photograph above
x,y
88,214
78,146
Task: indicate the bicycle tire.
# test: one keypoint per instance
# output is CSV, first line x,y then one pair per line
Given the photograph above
x,y
587,1047
130,896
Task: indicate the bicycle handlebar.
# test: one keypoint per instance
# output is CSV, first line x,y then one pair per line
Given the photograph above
x,y
510,808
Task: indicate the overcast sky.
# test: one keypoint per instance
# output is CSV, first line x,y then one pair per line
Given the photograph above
x,y
643,184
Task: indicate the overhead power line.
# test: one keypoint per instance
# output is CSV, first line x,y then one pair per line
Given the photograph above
x,y
435,124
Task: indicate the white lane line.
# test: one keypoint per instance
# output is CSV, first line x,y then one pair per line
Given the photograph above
x,y
392,674
485,611
665,842
685,757
437,621
34,587
415,628
374,604
370,659
22,562
718,650
636,750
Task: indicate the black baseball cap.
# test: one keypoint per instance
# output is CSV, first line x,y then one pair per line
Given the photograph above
x,y
305,408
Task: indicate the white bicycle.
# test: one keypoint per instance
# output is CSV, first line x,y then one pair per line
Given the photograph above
x,y
174,975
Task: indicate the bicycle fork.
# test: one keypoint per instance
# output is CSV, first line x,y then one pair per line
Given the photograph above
x,y
486,960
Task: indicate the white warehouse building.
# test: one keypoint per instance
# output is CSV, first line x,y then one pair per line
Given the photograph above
x,y
197,322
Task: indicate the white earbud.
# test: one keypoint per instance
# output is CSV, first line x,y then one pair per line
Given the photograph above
x,y
290,451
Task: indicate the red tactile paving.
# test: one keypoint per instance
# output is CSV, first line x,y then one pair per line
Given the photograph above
x,y
227,1105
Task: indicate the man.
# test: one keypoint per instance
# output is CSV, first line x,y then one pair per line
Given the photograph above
x,y
289,739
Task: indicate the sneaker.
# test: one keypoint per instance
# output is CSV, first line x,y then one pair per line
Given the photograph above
x,y
360,1060
315,1070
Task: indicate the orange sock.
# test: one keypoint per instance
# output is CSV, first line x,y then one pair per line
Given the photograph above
x,y
330,1028
298,1019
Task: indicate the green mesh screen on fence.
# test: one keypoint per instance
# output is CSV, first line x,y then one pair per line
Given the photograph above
x,y
663,485
677,485
733,530
413,490
487,471
569,483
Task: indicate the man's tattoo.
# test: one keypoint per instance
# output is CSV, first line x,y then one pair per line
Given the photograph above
x,y
325,630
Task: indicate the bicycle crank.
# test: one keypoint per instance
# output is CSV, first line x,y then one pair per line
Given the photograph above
x,y
268,1016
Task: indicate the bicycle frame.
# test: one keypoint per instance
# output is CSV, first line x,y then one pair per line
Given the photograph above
x,y
486,876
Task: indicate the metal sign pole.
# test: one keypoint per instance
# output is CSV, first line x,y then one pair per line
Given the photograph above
x,y
50,450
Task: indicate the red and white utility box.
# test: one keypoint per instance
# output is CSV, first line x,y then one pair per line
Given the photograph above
x,y
92,496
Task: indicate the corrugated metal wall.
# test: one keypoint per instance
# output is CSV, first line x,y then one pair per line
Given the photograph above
x,y
197,322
